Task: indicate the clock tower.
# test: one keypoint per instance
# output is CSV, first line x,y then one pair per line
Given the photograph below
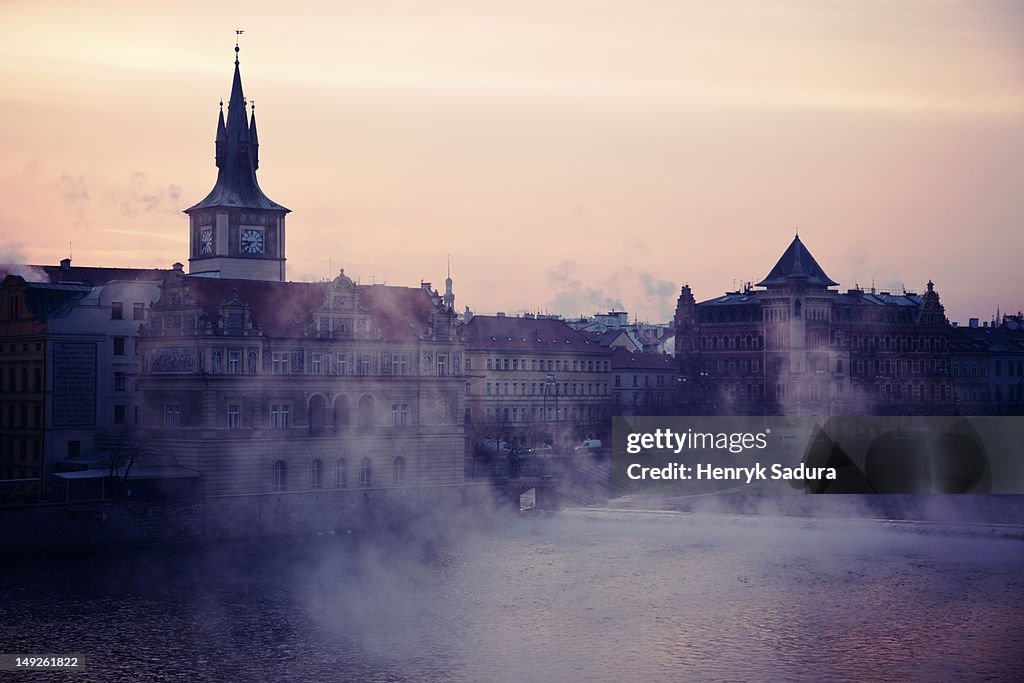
x,y
237,231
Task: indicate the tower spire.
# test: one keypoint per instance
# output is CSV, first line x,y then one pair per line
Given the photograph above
x,y
237,155
236,231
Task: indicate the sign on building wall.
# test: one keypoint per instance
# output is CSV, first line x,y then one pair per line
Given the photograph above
x,y
74,384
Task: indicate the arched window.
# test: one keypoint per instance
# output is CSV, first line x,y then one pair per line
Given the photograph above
x,y
317,412
365,473
280,475
398,473
797,306
316,474
342,413
341,474
366,417
217,359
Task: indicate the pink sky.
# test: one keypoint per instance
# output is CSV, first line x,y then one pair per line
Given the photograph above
x,y
570,155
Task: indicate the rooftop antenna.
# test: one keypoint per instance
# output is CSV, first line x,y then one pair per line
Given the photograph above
x,y
71,253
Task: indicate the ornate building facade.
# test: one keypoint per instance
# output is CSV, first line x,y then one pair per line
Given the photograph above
x,y
796,346
344,391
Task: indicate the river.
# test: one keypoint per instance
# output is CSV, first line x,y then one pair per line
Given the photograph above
x,y
574,596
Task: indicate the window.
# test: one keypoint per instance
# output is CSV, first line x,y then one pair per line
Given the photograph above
x,y
280,475
399,414
138,311
172,415
364,364
280,415
234,416
116,310
119,346
365,473
341,474
401,364
74,449
316,474
279,365
442,365
398,472
234,362
317,364
119,415
120,381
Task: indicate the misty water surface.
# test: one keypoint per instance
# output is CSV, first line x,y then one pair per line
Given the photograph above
x,y
564,597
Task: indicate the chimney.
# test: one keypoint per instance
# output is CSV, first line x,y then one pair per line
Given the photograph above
x,y
65,264
177,267
500,314
973,323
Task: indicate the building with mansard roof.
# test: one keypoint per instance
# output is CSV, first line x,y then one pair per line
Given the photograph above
x,y
532,381
794,345
988,367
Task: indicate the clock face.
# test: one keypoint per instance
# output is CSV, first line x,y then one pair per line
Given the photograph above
x,y
252,241
206,241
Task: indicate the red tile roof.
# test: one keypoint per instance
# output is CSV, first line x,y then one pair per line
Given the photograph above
x,y
286,309
624,360
487,332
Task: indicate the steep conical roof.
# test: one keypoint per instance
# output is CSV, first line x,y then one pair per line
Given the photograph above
x,y
237,159
797,264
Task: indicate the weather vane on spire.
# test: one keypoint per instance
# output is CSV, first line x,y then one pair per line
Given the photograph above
x,y
238,32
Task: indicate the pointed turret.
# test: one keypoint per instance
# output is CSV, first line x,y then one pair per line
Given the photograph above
x,y
797,264
222,136
254,140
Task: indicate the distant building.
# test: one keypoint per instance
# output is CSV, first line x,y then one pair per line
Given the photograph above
x,y
988,367
798,347
615,339
67,358
643,383
533,381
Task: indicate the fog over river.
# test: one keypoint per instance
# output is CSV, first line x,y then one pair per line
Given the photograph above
x,y
570,596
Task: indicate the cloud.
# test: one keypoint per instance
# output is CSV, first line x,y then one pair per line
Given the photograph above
x,y
658,294
13,262
139,196
572,298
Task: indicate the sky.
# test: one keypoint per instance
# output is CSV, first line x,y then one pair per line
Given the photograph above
x,y
570,156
